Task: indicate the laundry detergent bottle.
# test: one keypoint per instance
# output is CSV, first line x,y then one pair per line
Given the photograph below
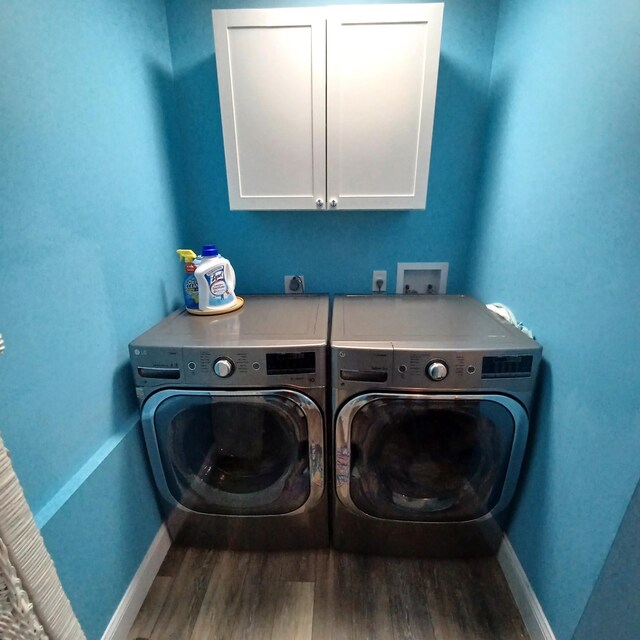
x,y
216,282
190,284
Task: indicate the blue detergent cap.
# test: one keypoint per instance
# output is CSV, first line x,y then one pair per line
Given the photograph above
x,y
209,250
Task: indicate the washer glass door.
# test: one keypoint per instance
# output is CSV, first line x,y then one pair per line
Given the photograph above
x,y
422,458
237,453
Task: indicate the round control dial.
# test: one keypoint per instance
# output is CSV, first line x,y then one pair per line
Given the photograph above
x,y
223,367
437,370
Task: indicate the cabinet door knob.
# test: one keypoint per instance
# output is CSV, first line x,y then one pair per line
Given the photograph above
x,y
319,203
333,202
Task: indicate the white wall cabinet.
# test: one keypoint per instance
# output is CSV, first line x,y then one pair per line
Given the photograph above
x,y
329,107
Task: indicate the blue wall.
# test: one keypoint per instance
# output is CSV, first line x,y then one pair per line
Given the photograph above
x,y
94,200
613,611
335,252
557,240
88,230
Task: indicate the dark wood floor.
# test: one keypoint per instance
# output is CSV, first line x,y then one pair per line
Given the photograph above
x,y
325,595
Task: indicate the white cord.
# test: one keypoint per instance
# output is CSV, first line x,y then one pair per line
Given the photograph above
x,y
504,312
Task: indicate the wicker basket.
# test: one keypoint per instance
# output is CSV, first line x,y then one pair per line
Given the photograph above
x,y
33,604
18,620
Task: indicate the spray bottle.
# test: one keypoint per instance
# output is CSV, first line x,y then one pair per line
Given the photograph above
x,y
190,284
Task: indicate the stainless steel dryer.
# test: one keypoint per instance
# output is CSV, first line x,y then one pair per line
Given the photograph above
x,y
233,411
431,398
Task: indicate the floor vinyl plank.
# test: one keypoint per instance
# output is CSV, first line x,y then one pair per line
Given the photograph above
x,y
172,561
345,594
492,587
221,603
187,591
292,566
407,587
463,602
151,609
293,617
324,608
351,601
257,601
326,595
371,607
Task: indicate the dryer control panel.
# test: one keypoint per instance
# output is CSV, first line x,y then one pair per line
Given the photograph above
x,y
436,369
463,370
439,370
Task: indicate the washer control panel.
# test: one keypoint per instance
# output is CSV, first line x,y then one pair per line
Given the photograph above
x,y
209,367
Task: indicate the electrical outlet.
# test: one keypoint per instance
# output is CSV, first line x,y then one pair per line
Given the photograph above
x,y
375,281
294,284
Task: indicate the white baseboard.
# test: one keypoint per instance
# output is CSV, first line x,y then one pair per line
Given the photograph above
x,y
532,614
127,610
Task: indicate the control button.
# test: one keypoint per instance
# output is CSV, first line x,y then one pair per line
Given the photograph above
x,y
402,368
256,366
437,370
471,369
192,366
223,367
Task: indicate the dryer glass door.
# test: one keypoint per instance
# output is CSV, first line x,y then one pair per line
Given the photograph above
x,y
413,457
244,453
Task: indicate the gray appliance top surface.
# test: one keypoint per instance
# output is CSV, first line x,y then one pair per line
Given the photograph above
x,y
263,321
421,322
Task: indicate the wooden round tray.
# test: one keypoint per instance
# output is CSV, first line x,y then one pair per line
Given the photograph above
x,y
215,312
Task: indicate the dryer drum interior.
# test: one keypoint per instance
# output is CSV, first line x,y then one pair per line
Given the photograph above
x,y
235,455
422,459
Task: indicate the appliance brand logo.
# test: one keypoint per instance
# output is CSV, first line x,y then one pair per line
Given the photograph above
x,y
217,283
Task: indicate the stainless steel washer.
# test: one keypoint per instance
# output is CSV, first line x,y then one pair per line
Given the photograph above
x,y
233,414
431,400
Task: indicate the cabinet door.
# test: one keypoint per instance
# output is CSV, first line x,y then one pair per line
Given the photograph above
x,y
382,69
271,72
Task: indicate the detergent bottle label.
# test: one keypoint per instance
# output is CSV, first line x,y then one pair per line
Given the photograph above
x,y
191,292
218,289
